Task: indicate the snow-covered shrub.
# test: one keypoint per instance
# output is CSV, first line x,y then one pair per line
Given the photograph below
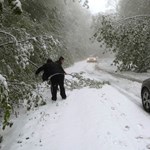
x,y
16,6
35,100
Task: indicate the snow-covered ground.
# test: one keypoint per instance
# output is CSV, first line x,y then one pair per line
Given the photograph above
x,y
108,118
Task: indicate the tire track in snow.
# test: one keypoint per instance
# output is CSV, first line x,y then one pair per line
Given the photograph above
x,y
131,96
118,75
115,83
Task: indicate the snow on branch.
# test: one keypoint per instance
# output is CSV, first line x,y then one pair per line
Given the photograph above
x,y
16,6
3,32
3,81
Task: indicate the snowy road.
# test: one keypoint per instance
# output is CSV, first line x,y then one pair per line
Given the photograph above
x,y
109,118
128,86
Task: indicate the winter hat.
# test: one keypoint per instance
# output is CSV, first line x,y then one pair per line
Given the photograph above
x,y
49,60
61,58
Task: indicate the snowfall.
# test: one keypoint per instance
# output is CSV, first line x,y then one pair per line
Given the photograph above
x,y
107,118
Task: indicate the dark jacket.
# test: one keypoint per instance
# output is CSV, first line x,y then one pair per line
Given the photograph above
x,y
58,62
49,69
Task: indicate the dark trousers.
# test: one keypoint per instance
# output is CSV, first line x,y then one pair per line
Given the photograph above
x,y
57,80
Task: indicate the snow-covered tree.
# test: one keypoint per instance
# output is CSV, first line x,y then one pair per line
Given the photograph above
x,y
127,34
128,39
16,6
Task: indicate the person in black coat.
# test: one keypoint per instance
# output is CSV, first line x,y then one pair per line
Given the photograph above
x,y
54,72
47,69
58,80
60,62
